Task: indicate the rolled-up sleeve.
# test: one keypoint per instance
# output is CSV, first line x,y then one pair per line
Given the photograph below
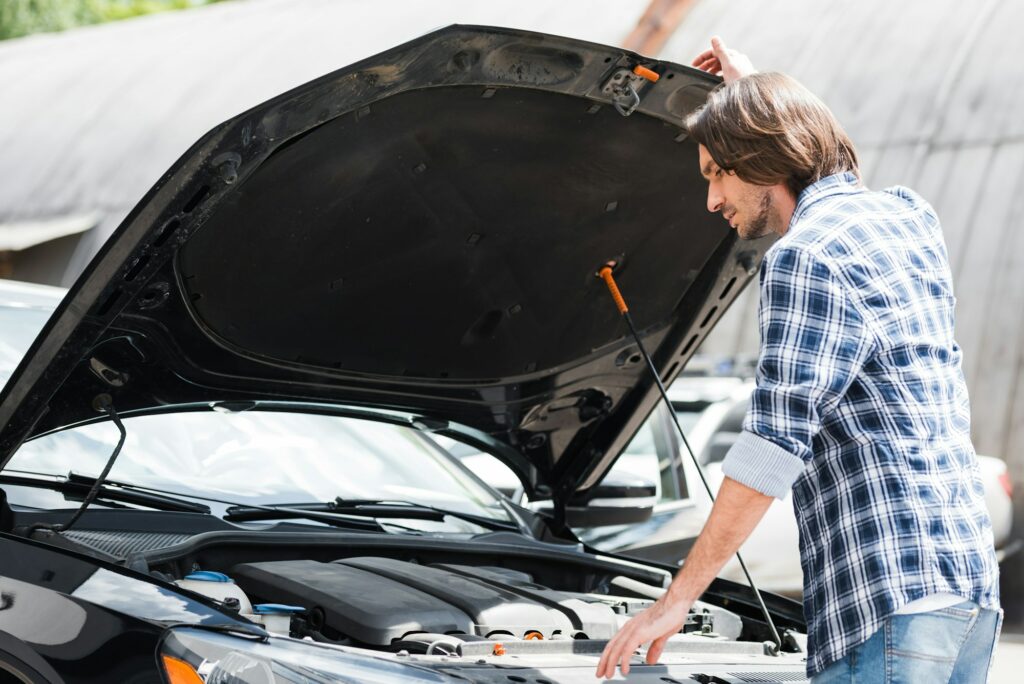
x,y
814,342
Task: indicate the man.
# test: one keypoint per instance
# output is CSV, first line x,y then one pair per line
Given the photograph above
x,y
860,408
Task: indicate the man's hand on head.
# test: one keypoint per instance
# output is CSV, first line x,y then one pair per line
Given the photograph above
x,y
724,61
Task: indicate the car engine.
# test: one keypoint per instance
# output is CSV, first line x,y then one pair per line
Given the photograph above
x,y
390,604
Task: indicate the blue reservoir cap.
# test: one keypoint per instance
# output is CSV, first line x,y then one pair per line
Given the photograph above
x,y
276,609
208,576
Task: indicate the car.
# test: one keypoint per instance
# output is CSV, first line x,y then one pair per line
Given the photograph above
x,y
221,452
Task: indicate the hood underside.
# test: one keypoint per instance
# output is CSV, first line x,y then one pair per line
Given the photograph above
x,y
418,232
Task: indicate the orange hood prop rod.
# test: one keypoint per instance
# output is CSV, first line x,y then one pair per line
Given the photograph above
x,y
606,274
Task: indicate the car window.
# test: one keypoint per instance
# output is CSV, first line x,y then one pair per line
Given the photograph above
x,y
689,412
733,420
260,457
726,434
673,475
639,459
652,456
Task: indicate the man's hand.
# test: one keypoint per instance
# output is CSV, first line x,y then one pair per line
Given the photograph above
x,y
656,624
720,60
736,512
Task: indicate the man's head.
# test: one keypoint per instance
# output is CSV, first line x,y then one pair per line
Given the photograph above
x,y
764,138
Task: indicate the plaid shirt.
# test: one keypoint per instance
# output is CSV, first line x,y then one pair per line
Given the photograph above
x,y
861,410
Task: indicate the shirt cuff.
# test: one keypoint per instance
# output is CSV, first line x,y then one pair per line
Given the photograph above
x,y
762,465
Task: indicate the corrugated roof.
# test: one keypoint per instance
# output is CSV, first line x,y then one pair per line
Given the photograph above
x,y
930,91
104,110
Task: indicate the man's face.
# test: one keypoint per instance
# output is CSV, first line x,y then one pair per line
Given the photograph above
x,y
750,209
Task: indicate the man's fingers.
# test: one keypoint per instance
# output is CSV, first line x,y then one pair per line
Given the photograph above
x,y
627,655
656,649
609,659
702,57
718,47
624,657
602,666
732,64
617,655
723,54
712,66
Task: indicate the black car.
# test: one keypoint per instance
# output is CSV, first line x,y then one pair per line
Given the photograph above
x,y
403,249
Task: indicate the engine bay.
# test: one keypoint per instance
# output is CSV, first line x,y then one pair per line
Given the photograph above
x,y
471,607
389,604
396,594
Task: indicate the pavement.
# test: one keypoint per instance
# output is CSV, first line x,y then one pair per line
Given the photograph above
x,y
1009,660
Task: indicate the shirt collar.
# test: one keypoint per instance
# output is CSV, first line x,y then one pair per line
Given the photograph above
x,y
837,184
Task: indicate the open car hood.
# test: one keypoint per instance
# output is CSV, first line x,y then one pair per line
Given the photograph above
x,y
418,232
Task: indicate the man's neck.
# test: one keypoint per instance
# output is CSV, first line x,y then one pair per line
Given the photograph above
x,y
785,204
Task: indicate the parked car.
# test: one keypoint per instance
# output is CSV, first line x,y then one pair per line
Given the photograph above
x,y
219,454
711,410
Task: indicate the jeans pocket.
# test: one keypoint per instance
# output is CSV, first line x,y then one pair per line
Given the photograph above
x,y
923,647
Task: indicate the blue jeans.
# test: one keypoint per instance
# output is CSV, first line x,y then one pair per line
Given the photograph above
x,y
948,645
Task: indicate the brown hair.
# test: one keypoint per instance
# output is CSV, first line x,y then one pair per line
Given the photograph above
x,y
768,129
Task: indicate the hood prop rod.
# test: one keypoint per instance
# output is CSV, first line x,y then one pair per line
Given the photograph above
x,y
605,274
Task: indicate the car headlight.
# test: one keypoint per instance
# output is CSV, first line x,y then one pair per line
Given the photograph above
x,y
197,656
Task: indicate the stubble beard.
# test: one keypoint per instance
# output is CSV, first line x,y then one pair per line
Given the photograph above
x,y
759,225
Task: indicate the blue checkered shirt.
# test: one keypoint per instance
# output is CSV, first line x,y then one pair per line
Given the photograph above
x,y
861,410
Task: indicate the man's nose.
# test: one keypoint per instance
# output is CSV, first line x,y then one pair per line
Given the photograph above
x,y
715,199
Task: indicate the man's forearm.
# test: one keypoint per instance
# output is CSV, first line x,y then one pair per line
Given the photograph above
x,y
736,512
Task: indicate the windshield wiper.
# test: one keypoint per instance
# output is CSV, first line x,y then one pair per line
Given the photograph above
x,y
75,485
122,492
370,508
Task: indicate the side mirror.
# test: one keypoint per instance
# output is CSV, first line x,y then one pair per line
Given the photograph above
x,y
621,500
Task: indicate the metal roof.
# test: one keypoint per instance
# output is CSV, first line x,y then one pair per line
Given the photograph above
x,y
93,116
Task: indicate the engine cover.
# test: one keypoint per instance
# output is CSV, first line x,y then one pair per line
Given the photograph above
x,y
377,601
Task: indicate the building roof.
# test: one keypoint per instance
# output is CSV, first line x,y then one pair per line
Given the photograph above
x,y
103,111
930,92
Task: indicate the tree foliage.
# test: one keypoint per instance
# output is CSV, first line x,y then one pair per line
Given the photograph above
x,y
23,17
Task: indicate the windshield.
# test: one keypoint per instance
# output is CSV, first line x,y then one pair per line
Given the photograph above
x,y
265,458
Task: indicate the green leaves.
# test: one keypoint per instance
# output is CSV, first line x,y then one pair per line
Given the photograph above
x,y
24,17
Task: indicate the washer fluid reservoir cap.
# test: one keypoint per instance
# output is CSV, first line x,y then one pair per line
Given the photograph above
x,y
208,576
